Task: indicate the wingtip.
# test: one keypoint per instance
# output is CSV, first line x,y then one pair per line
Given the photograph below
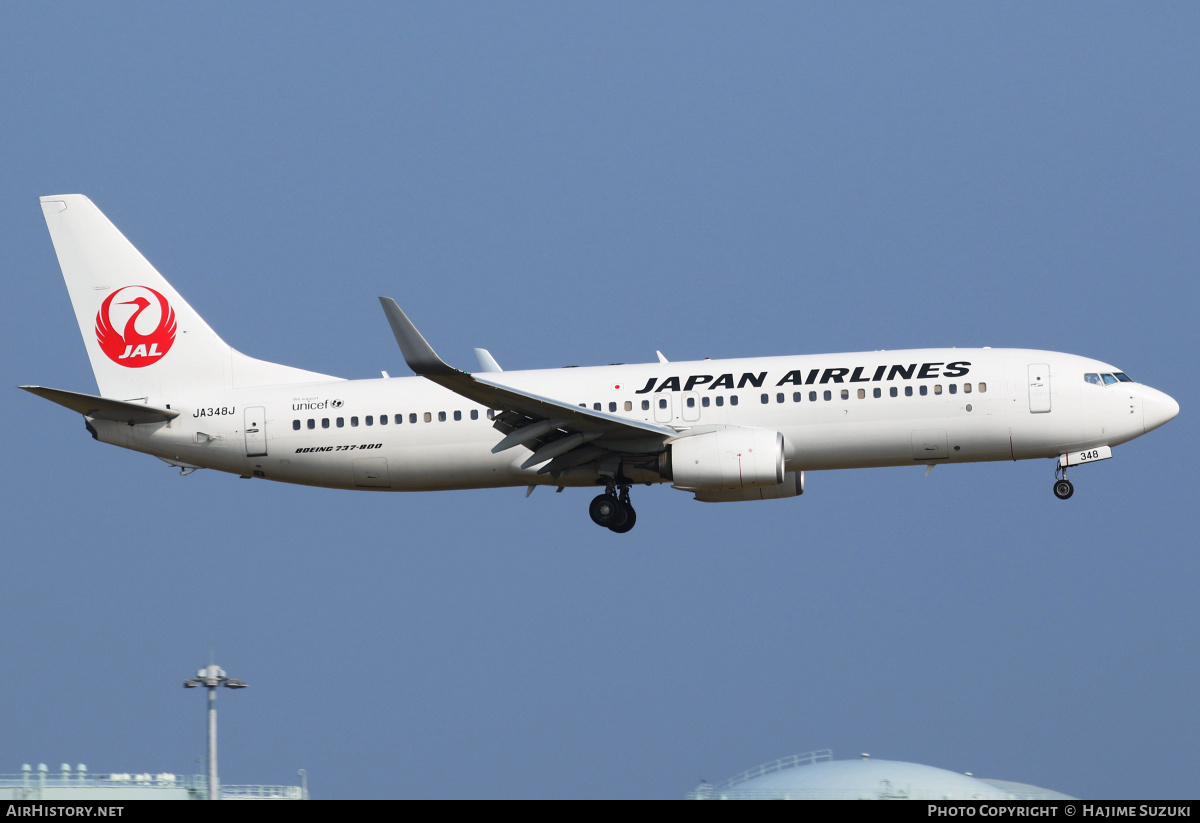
x,y
418,354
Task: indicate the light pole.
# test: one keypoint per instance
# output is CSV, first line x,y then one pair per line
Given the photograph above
x,y
212,676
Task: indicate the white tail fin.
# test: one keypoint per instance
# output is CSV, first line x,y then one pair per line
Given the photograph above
x,y
143,339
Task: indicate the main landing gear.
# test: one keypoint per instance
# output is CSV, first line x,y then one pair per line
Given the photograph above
x,y
612,510
1063,488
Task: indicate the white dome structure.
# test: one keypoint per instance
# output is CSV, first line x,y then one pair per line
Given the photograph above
x,y
817,776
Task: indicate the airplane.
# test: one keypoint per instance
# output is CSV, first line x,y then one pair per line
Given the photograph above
x,y
723,430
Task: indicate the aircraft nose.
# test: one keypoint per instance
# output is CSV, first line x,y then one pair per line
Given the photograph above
x,y
1157,408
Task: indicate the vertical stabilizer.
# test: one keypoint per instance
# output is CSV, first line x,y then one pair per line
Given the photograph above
x,y
143,339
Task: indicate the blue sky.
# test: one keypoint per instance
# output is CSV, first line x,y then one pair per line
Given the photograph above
x,y
581,184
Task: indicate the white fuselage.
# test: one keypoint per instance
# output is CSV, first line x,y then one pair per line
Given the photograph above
x,y
835,411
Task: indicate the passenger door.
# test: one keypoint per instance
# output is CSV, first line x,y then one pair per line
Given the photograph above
x,y
1039,388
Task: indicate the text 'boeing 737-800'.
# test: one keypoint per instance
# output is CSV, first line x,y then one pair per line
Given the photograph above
x,y
724,430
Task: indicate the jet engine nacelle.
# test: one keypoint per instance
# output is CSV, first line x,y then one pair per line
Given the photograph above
x,y
738,457
792,486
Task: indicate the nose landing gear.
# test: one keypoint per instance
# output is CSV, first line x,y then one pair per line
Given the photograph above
x,y
612,510
1063,488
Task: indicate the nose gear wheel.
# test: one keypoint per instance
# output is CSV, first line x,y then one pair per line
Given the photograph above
x,y
1063,488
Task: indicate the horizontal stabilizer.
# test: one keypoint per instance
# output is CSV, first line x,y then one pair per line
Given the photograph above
x,y
102,408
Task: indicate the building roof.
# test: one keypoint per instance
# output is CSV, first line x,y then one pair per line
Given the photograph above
x,y
69,784
817,776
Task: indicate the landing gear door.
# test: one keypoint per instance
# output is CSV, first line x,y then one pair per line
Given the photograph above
x,y
256,431
1039,388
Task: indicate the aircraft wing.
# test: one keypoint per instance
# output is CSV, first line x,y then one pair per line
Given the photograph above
x,y
102,408
557,431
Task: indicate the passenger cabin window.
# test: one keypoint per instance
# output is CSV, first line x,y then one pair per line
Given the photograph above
x,y
796,395
966,388
458,415
937,389
383,421
908,391
399,419
879,392
645,405
296,425
629,405
474,414
733,400
369,420
954,388
705,400
812,395
982,388
340,422
353,421
828,394
324,422
720,400
441,417
312,424
766,398
845,394
924,390
428,416
862,393
412,418
691,403
612,407
662,402
893,391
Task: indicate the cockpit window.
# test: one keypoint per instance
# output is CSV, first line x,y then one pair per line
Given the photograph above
x,y
1093,378
1123,377
1108,379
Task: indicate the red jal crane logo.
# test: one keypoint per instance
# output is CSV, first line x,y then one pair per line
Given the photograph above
x,y
130,347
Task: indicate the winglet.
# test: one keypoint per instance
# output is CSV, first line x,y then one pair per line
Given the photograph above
x,y
418,354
